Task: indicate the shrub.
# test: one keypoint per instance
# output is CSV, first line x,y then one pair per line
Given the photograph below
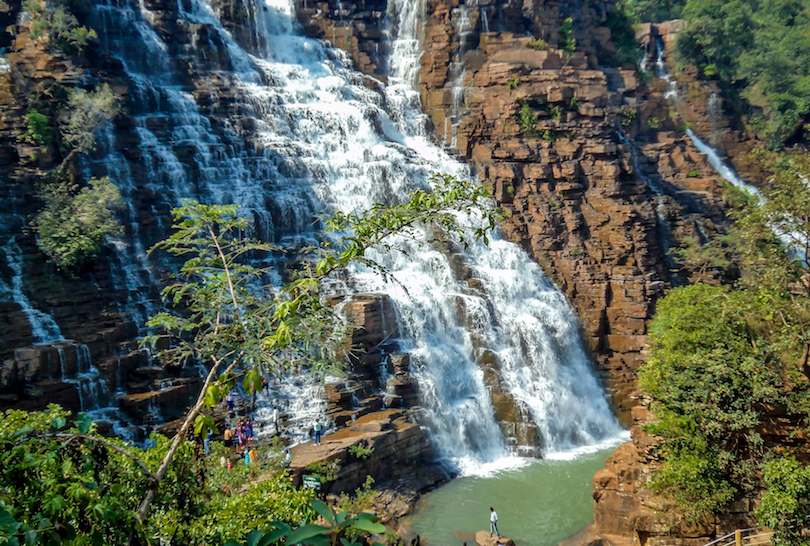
x,y
537,44
59,25
693,174
527,119
74,224
512,84
566,41
38,129
361,451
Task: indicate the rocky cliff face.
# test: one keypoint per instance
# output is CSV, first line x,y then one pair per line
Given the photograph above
x,y
595,175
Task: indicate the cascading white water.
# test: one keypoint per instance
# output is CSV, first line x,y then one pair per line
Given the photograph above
x,y
328,141
719,165
43,326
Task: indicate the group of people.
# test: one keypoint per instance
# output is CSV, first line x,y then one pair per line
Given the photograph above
x,y
240,436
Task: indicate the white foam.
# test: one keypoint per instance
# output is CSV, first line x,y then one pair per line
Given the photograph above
x,y
576,453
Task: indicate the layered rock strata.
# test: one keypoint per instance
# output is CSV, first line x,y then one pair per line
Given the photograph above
x,y
598,211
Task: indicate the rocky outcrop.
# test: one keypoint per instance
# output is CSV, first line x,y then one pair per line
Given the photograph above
x,y
399,447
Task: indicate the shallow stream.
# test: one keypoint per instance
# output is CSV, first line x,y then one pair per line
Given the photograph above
x,y
539,502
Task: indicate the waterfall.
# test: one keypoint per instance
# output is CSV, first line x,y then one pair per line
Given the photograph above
x,y
661,71
43,326
324,140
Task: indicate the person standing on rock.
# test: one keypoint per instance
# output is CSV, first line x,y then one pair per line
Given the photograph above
x,y
275,418
318,429
229,401
265,386
493,522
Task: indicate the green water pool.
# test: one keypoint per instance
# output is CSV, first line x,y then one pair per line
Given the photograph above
x,y
539,502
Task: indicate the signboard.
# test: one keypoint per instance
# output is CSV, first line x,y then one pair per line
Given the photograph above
x,y
312,482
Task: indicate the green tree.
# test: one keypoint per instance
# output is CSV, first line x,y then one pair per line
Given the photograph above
x,y
86,113
785,503
75,223
724,359
238,331
656,11
54,20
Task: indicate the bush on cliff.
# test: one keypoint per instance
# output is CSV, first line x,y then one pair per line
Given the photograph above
x,y
759,50
75,223
725,360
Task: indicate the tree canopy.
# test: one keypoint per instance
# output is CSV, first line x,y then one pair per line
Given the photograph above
x,y
726,361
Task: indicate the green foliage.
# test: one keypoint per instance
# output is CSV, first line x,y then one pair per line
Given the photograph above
x,y
710,376
627,116
653,123
67,484
623,36
786,500
693,174
38,129
361,450
86,113
537,44
758,49
512,84
576,252
233,516
565,40
782,215
722,360
527,119
656,11
326,471
362,500
703,259
341,529
54,20
75,222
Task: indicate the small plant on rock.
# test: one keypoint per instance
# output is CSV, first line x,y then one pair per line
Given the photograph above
x,y
537,44
512,84
566,41
527,119
361,450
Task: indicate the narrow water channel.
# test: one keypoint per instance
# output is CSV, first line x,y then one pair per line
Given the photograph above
x,y
539,502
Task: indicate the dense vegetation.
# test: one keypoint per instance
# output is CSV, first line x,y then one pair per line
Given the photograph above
x,y
757,50
727,361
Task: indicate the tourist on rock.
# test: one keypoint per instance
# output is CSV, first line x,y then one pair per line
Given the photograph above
x,y
265,386
227,438
275,418
247,457
207,443
229,401
318,429
253,457
240,433
287,460
249,429
493,522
